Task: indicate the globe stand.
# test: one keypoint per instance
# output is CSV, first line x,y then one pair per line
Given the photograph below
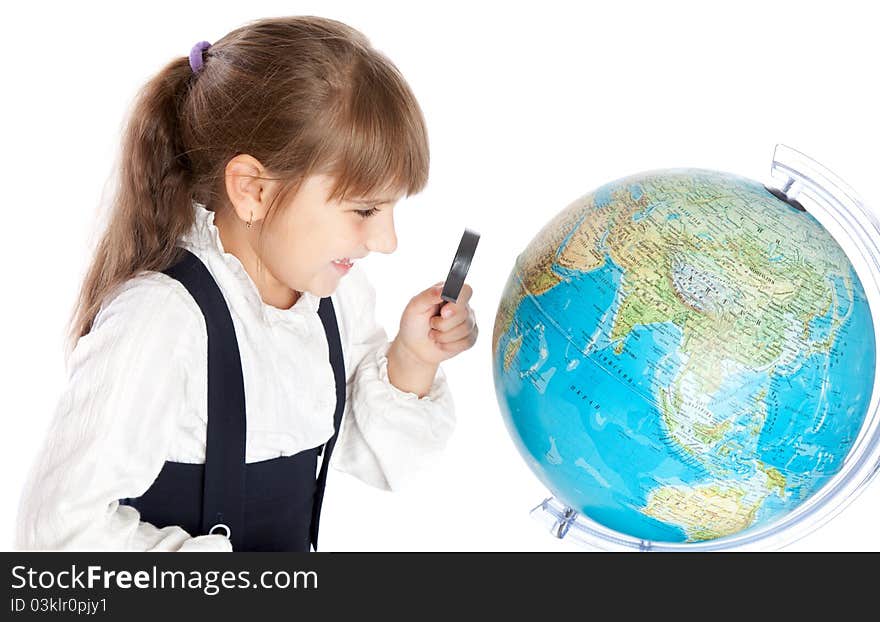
x,y
797,174
561,521
564,521
838,208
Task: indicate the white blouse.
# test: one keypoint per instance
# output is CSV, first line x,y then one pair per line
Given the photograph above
x,y
137,396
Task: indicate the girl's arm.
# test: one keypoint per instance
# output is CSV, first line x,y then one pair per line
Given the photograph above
x,y
112,427
387,434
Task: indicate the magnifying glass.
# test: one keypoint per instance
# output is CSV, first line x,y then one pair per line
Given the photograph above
x,y
460,266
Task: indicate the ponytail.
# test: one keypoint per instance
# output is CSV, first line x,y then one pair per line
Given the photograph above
x,y
152,204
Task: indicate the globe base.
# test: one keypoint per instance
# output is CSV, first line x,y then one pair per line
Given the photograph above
x,y
564,521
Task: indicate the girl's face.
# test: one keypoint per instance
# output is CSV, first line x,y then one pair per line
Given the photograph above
x,y
304,237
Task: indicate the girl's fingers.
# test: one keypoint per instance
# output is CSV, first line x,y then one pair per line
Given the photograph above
x,y
460,344
445,324
455,333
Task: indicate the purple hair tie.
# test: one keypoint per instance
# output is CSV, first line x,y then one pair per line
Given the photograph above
x,y
195,55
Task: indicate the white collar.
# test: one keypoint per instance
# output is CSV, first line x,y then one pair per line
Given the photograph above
x,y
204,236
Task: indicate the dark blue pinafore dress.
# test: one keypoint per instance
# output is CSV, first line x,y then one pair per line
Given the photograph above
x,y
272,505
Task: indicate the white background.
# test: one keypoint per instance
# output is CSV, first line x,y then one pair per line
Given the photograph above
x,y
528,106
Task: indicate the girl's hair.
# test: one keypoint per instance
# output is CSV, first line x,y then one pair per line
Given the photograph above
x,y
303,95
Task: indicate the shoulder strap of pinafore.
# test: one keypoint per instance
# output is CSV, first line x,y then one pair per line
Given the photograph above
x,y
331,329
224,485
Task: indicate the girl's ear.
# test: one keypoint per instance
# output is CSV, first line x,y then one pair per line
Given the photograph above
x,y
247,192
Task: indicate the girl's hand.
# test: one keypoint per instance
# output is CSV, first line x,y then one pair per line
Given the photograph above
x,y
426,339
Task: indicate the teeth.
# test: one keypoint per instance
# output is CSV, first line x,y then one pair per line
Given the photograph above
x,y
345,262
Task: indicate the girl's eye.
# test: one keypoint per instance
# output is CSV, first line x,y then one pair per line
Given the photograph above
x,y
367,213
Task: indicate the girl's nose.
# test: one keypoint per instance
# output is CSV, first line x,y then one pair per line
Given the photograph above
x,y
383,238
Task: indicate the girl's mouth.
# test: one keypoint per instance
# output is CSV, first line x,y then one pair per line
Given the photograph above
x,y
343,265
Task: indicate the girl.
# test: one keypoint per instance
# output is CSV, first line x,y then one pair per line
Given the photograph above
x,y
224,345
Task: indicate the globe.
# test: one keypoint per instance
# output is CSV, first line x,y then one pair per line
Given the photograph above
x,y
683,355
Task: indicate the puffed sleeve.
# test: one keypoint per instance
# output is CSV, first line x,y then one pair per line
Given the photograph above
x,y
387,434
112,427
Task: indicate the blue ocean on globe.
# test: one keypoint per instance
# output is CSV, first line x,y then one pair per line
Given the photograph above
x,y
682,356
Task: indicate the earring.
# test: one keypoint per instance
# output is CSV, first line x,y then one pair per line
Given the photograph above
x,y
249,222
